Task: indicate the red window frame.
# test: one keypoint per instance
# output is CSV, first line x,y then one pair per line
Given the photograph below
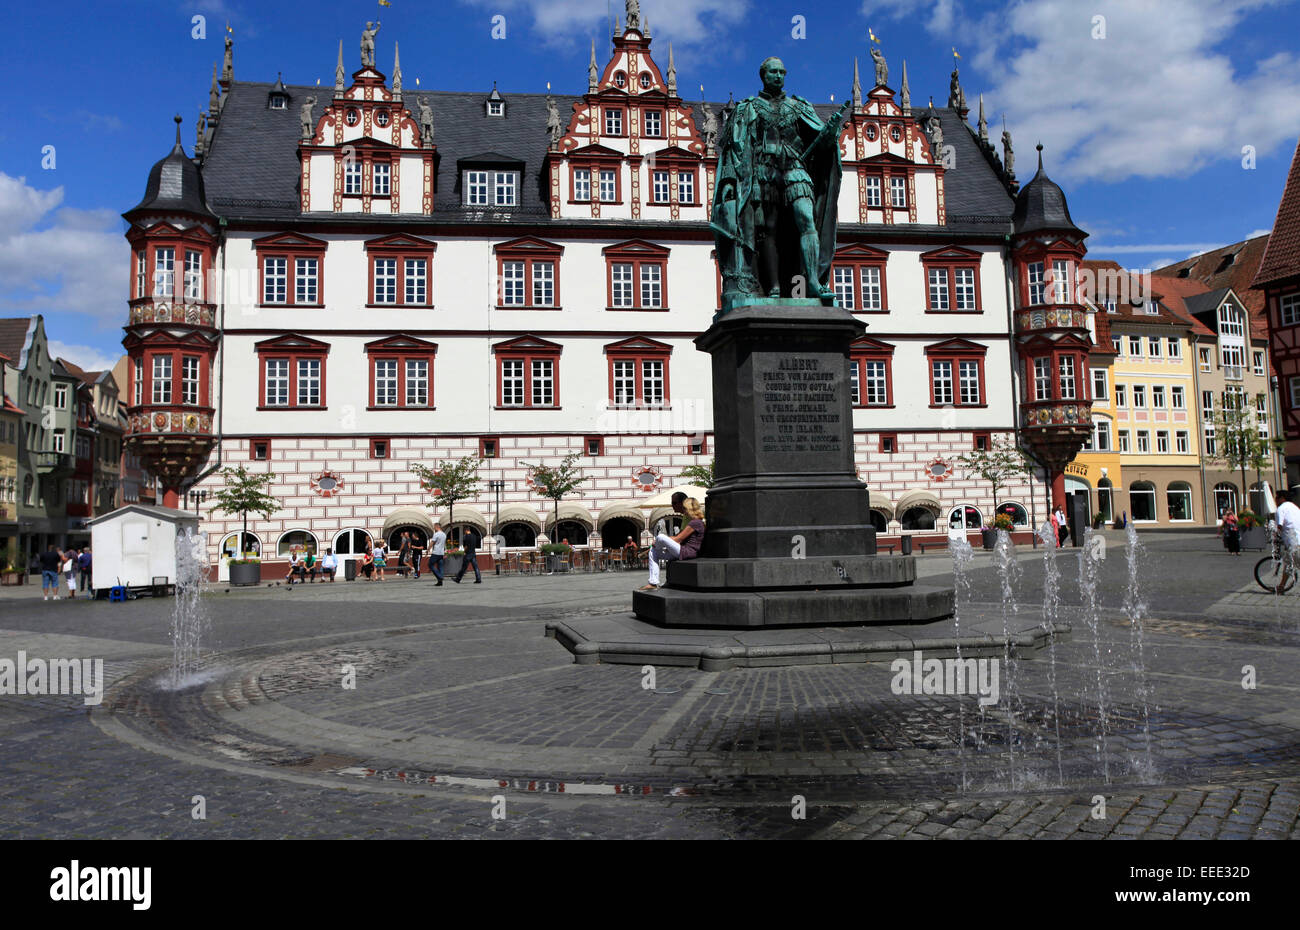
x,y
1047,254
586,445
295,349
892,439
530,251
401,349
593,158
1069,345
672,160
638,253
401,248
167,236
949,260
290,247
639,350
177,354
483,452
624,118
866,349
388,448
858,257
704,445
252,449
988,441
527,349
956,351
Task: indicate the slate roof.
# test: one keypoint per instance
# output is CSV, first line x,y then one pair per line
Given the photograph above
x,y
1231,266
13,337
1282,256
175,183
1041,204
251,169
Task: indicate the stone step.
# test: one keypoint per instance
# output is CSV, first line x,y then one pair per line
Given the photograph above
x,y
837,606
836,572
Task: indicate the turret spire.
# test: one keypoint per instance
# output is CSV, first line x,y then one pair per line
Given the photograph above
x,y
672,72
857,85
181,149
338,73
906,92
397,71
592,73
214,93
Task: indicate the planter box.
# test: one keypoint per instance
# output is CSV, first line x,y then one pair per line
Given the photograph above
x,y
451,565
12,578
989,538
247,573
1254,538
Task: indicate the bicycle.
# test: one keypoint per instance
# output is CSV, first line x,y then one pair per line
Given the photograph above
x,y
1269,570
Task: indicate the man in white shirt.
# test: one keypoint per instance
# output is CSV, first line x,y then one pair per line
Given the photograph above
x,y
437,552
1288,536
329,565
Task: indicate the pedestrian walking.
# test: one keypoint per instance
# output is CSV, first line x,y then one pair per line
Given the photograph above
x,y
86,562
1230,531
380,554
417,554
1062,525
404,555
69,568
437,553
470,541
50,562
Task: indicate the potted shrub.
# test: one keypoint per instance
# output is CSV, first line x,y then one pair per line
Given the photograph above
x,y
452,562
1253,534
989,537
1098,520
245,570
10,574
555,553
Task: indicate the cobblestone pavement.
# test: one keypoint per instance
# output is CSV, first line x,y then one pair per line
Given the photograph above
x,y
461,709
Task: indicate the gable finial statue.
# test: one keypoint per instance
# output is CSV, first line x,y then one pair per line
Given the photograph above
x,y
228,63
710,129
214,94
554,129
882,69
1008,153
368,44
308,124
633,14
774,213
426,122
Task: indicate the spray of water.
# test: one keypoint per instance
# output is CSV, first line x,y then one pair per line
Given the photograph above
x,y
1089,568
962,555
1009,572
1135,607
1051,613
189,616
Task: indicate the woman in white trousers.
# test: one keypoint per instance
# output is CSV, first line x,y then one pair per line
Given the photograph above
x,y
685,545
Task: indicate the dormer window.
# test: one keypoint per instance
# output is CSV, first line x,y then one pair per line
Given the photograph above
x,y
620,79
381,118
645,80
352,117
496,108
491,188
279,102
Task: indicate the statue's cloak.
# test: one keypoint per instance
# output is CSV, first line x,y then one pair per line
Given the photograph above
x,y
733,222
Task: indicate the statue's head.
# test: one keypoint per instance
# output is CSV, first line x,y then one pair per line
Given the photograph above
x,y
772,73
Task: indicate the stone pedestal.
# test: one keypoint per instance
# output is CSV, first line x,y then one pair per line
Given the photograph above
x,y
789,539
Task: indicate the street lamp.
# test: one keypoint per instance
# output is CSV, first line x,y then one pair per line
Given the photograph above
x,y
198,497
497,486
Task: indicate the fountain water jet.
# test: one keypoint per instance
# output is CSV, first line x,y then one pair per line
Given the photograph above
x,y
962,556
1051,612
1135,607
1089,567
1009,572
189,616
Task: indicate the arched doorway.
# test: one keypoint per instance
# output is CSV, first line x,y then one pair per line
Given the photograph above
x,y
1178,498
232,547
418,536
1105,500
302,540
570,531
917,518
1142,501
349,544
878,522
965,516
518,535
1225,498
618,531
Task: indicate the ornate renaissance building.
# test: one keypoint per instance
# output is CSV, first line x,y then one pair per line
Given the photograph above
x,y
342,282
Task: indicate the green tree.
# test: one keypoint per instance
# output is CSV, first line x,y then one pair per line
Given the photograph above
x,y
1238,444
997,465
555,482
702,475
245,493
451,481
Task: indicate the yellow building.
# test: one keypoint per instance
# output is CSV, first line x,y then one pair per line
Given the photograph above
x,y
1144,457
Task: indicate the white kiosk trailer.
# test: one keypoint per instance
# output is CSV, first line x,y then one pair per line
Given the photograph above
x,y
135,547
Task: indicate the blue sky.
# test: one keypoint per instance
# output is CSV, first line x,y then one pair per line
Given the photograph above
x,y
1144,113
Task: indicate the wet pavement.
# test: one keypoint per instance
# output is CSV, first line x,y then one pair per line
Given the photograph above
x,y
404,710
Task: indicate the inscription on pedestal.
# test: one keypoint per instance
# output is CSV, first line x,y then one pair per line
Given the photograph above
x,y
798,405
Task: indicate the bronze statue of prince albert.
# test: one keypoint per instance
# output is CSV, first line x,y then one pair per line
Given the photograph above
x,y
774,209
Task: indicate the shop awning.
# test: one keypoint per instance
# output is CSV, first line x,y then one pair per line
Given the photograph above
x,y
518,513
465,514
918,498
628,510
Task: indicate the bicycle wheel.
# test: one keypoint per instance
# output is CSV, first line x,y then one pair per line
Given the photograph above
x,y
1268,572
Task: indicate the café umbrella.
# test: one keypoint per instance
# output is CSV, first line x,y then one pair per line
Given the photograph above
x,y
665,498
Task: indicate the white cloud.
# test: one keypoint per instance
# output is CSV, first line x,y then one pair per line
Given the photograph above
x,y
1259,232
59,261
1159,96
88,358
575,22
